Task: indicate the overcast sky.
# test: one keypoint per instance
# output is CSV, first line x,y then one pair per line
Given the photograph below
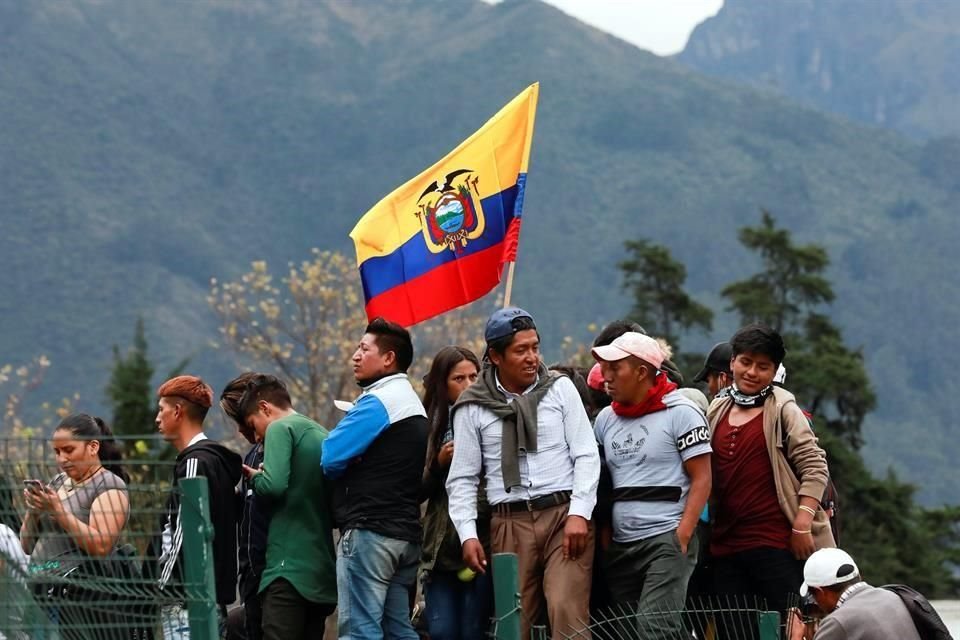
x,y
660,26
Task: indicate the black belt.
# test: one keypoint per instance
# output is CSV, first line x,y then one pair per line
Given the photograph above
x,y
536,504
647,494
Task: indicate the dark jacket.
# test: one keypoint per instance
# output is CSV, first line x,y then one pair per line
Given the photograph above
x,y
222,469
441,549
251,531
375,455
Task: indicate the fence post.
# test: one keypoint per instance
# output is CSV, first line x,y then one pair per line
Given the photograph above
x,y
198,558
769,623
506,596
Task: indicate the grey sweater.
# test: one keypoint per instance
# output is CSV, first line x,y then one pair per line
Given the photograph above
x,y
871,614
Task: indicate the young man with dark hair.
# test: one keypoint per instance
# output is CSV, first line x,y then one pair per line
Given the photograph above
x,y
298,588
769,475
657,449
183,404
375,456
245,621
525,429
716,369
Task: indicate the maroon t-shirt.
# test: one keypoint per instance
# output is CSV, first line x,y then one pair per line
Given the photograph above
x,y
747,512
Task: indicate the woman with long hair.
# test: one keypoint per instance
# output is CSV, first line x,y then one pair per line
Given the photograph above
x,y
76,519
458,602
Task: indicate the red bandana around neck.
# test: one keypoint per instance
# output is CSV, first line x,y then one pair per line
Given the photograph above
x,y
653,402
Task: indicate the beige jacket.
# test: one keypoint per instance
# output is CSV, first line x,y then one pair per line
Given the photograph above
x,y
803,457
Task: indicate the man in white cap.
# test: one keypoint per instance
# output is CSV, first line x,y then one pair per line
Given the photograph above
x,y
854,610
656,446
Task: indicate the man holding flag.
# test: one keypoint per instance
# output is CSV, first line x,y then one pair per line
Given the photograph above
x,y
524,428
437,242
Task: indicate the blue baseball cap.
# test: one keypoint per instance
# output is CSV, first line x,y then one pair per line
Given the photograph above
x,y
500,323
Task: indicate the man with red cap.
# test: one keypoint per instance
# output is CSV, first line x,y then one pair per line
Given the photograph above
x,y
182,407
656,446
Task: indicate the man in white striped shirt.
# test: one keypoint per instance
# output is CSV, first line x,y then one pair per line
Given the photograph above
x,y
525,429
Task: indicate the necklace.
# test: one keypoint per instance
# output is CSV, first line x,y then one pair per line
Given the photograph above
x,y
72,485
91,474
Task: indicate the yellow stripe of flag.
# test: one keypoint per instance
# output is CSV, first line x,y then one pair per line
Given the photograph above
x,y
499,150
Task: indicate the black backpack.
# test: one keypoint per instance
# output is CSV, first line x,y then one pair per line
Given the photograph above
x,y
925,618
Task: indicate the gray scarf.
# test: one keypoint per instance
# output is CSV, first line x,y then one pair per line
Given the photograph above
x,y
519,417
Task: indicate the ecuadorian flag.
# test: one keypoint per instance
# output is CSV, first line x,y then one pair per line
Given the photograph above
x,y
441,239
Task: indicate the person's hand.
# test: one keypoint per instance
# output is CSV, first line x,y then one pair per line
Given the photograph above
x,y
796,628
249,472
445,455
575,537
473,555
45,500
802,545
683,537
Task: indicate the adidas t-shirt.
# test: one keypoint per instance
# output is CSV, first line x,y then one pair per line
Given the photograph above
x,y
649,451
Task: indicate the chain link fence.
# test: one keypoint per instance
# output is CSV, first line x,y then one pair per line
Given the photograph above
x,y
93,552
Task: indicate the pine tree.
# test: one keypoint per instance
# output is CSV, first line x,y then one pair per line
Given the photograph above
x,y
790,282
787,295
660,305
129,390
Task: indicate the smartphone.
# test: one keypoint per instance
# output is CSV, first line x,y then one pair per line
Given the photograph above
x,y
34,485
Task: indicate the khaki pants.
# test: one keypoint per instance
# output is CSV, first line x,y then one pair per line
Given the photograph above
x,y
545,578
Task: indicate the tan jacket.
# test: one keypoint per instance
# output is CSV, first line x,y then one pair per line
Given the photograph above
x,y
803,457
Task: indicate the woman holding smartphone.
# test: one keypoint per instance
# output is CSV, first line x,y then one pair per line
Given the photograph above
x,y
82,511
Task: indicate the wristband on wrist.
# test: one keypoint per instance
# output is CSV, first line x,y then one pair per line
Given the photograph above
x,y
797,532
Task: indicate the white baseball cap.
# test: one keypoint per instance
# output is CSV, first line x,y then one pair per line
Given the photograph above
x,y
781,374
826,568
631,344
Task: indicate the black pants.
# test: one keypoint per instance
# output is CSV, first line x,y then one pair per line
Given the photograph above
x,y
289,616
253,618
768,579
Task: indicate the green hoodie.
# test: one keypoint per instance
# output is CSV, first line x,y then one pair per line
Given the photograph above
x,y
300,538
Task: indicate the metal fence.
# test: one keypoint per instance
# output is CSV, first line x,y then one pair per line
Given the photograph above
x,y
706,619
82,554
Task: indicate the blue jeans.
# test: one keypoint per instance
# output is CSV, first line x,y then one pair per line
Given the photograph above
x,y
374,577
458,610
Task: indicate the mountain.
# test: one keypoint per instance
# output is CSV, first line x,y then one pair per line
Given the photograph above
x,y
889,63
150,146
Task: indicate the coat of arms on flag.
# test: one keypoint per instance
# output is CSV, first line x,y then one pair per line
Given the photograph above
x,y
448,212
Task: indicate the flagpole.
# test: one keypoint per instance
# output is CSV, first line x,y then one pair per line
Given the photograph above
x,y
506,297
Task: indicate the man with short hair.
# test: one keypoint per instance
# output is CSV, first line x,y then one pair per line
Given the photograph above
x,y
245,621
656,447
375,456
716,369
182,407
298,588
853,609
525,429
768,477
